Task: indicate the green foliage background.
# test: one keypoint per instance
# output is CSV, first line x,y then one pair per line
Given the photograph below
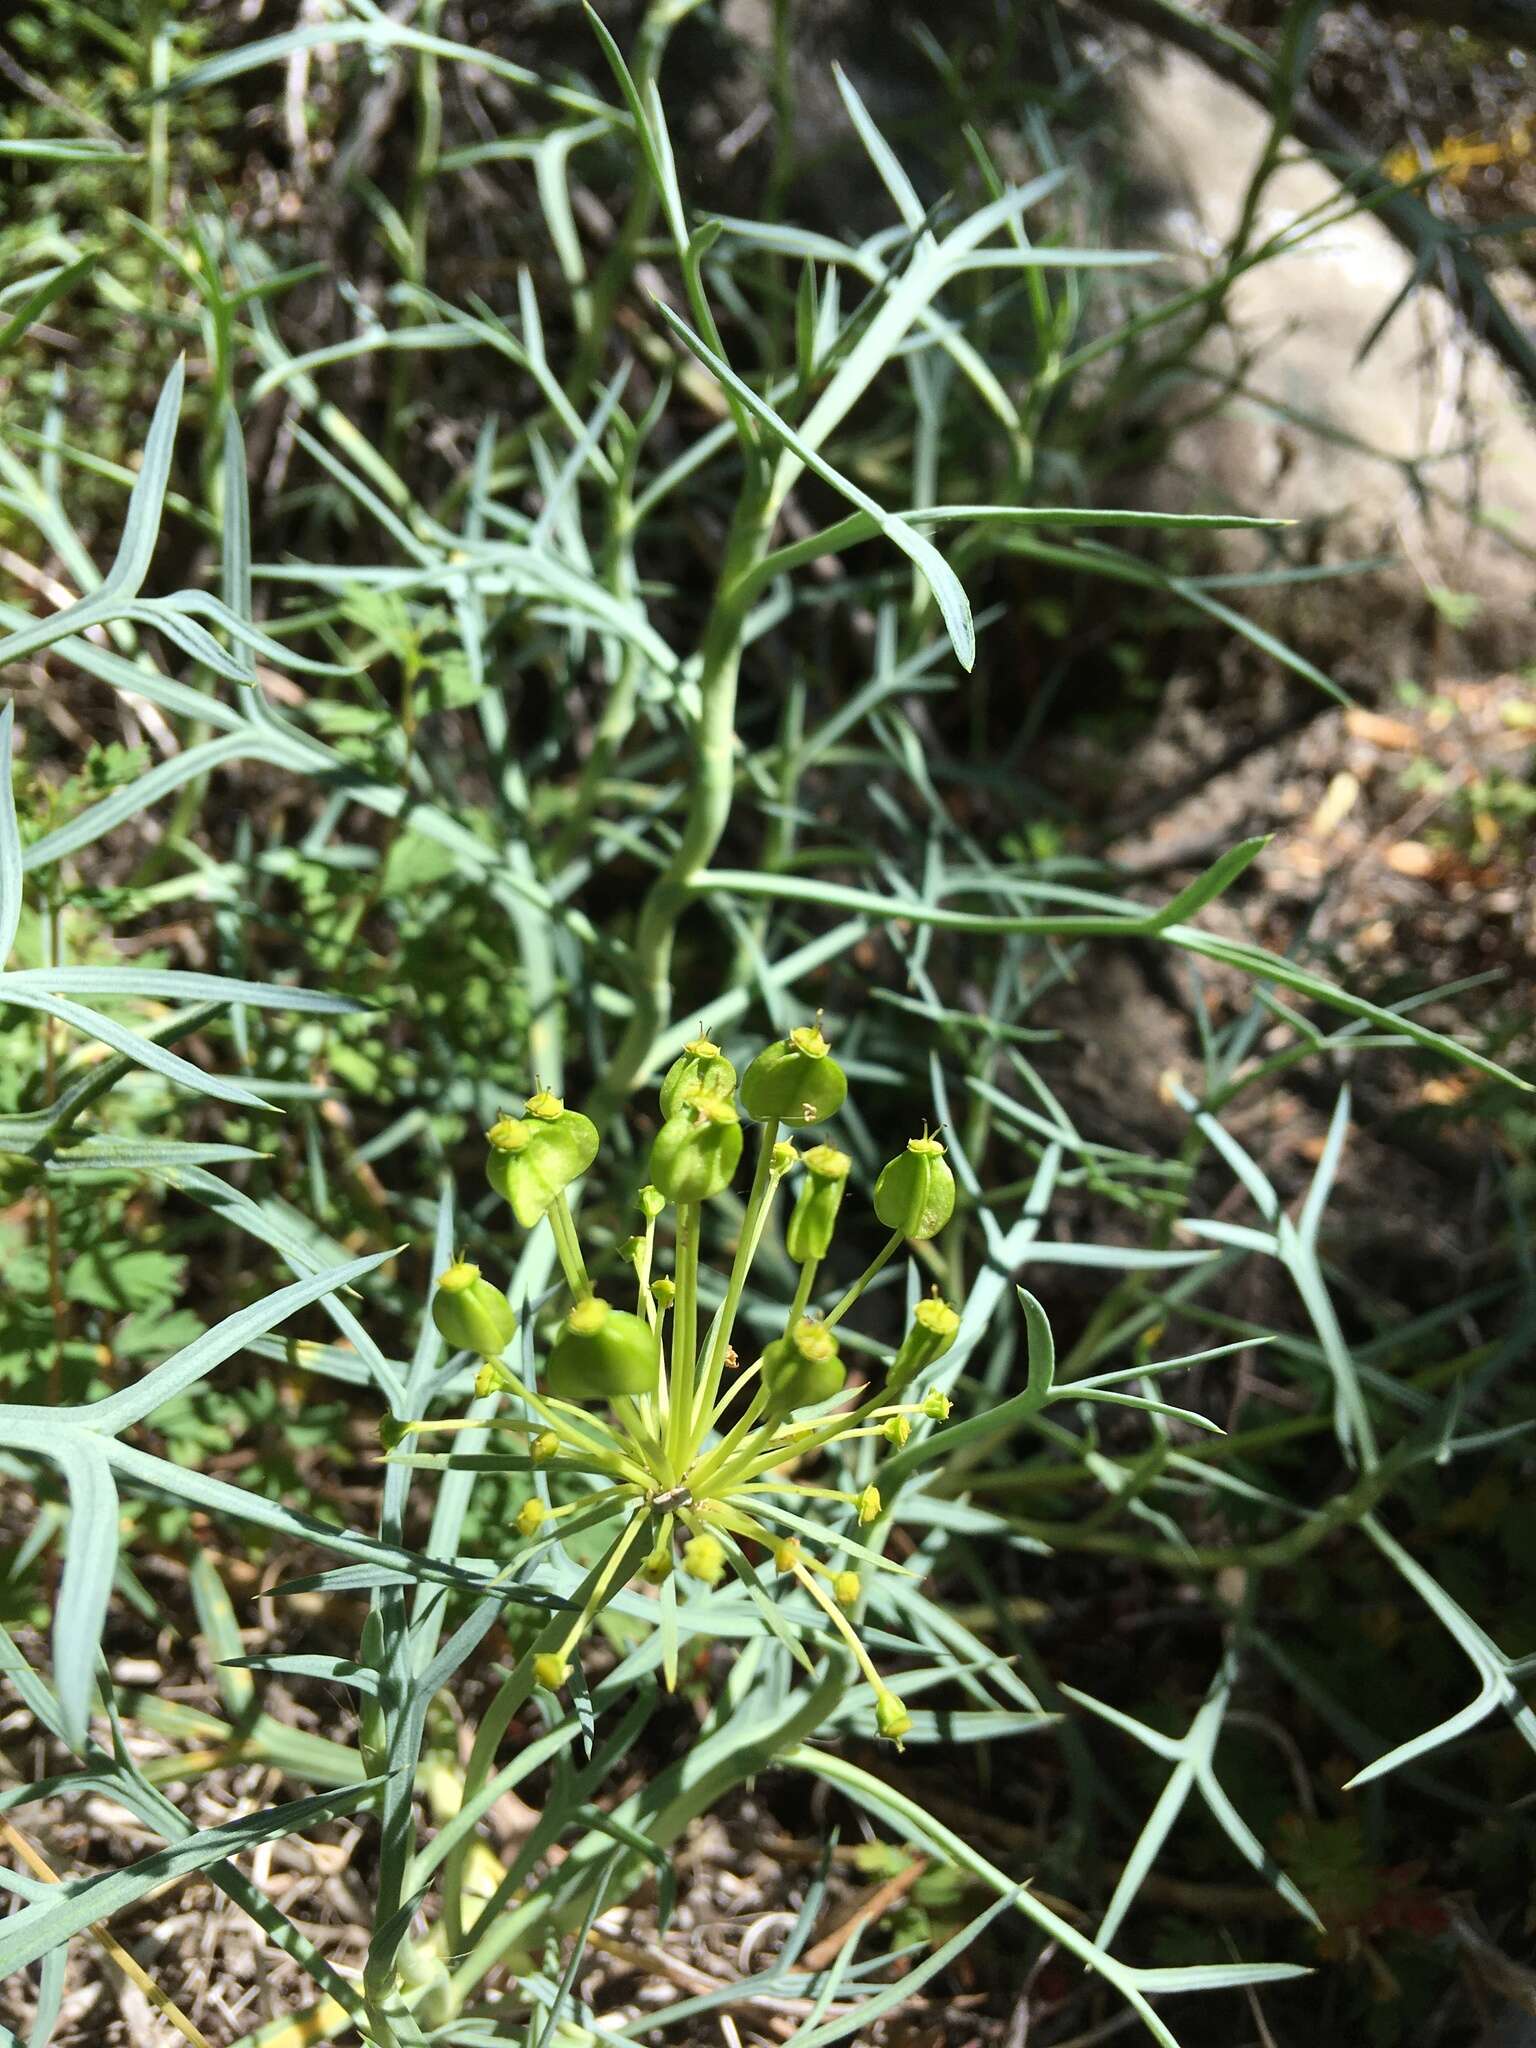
x,y
502,519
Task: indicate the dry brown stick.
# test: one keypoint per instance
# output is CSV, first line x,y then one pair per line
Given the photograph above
x,y
131,1968
873,1906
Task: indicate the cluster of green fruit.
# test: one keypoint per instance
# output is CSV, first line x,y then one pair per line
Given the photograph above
x,y
682,1453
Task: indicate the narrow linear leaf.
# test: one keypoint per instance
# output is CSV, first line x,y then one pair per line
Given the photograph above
x,y
47,288
90,1563
10,842
31,1933
941,579
142,1051
171,984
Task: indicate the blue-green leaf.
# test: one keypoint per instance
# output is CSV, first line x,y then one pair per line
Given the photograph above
x,y
10,843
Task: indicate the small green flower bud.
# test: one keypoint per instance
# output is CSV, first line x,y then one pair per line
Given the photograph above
x,y
544,1446
915,1194
702,1068
803,1368
510,1134
550,1670
782,1158
937,1406
704,1558
652,1202
470,1313
393,1432
507,1137
896,1431
492,1378
787,1554
809,1235
532,1162
629,1250
531,1516
846,1588
794,1081
869,1506
892,1718
934,1324
697,1150
658,1566
663,1291
601,1352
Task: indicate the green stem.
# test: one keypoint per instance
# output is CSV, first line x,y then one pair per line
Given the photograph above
x,y
685,1332
703,1479
575,1427
568,1245
864,1279
632,1418
844,1627
797,1307
764,1455
753,1225
558,1636
712,782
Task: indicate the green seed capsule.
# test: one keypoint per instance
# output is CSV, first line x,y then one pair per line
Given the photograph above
x,y
698,1150
664,1292
934,1324
535,1160
701,1069
782,1158
809,1234
471,1314
551,1670
892,1718
869,1506
652,1201
794,1081
846,1588
531,1516
602,1352
915,1194
803,1368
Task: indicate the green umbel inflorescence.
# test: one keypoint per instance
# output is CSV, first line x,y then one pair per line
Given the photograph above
x,y
631,1414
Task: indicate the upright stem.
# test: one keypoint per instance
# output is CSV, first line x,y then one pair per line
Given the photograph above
x,y
568,1245
685,1335
728,1444
58,1307
797,1307
746,1250
557,1636
713,779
